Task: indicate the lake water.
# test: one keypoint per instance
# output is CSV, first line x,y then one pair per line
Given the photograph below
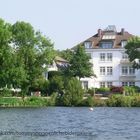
x,y
69,123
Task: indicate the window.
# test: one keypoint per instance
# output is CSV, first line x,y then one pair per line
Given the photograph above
x,y
124,83
128,83
123,43
88,44
124,56
109,84
85,84
102,84
102,70
124,70
102,56
106,45
131,71
109,56
131,83
109,70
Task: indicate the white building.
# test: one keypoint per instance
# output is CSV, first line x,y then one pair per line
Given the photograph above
x,y
110,62
57,63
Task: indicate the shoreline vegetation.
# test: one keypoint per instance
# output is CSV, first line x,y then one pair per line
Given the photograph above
x,y
34,101
26,56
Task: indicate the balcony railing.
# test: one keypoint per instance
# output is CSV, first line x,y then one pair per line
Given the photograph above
x,y
124,61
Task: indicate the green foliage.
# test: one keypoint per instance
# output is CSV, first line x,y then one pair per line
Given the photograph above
x,y
34,101
103,89
136,101
56,85
133,50
66,54
53,99
120,101
52,74
73,94
6,54
10,102
91,91
6,92
87,102
79,64
23,53
129,90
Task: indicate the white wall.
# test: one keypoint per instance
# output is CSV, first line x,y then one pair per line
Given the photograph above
x,y
115,63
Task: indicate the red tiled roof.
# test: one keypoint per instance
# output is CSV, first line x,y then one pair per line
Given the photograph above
x,y
119,36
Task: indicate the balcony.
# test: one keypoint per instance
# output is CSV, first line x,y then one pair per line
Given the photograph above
x,y
127,77
124,61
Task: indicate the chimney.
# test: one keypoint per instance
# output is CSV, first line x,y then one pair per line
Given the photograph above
x,y
122,31
99,32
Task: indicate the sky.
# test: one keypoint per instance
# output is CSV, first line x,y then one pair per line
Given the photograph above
x,y
69,22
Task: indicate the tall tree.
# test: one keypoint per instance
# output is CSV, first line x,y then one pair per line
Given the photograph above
x,y
133,51
33,51
5,54
79,64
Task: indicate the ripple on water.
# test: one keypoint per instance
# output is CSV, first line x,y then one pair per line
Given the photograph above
x,y
101,124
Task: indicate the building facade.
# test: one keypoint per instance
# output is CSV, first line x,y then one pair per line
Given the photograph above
x,y
110,63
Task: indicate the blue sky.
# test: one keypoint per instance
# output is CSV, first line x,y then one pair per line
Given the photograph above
x,y
68,22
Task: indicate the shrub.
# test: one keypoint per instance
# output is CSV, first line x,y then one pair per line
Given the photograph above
x,y
6,92
34,101
56,85
136,101
103,89
98,102
119,101
91,91
87,102
114,89
73,94
53,100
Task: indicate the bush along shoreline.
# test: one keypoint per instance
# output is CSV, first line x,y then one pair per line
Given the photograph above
x,y
54,100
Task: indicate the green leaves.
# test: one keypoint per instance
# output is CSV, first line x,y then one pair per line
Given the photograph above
x,y
23,51
133,50
79,64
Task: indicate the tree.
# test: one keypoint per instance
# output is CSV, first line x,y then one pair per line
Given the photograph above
x,y
33,50
66,54
133,51
73,94
6,57
79,64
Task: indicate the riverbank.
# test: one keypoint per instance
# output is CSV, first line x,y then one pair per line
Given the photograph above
x,y
33,101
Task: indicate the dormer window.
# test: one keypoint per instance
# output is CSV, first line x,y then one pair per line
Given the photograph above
x,y
88,44
123,43
106,45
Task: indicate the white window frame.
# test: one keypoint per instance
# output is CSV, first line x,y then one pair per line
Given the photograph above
x,y
106,45
124,70
125,56
131,71
109,56
124,83
88,44
85,84
123,43
102,84
102,71
109,71
109,84
102,57
131,83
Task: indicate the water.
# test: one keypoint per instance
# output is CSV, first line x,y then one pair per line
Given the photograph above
x,y
74,123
